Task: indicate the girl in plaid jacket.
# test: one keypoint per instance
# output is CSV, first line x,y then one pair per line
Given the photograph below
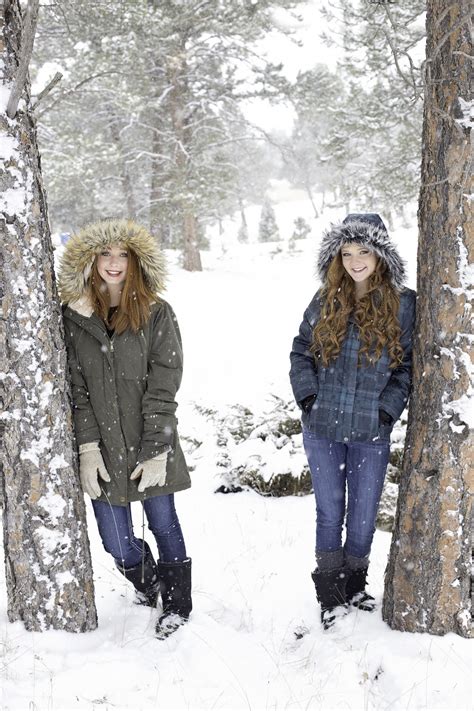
x,y
351,374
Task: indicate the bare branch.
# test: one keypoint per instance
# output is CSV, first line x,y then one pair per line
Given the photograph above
x,y
412,83
402,76
55,80
75,88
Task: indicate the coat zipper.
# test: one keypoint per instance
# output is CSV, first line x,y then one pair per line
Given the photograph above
x,y
111,339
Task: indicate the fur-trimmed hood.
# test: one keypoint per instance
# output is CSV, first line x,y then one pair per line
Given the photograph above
x,y
367,229
81,249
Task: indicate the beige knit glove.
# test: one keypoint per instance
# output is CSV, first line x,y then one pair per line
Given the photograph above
x,y
91,467
152,472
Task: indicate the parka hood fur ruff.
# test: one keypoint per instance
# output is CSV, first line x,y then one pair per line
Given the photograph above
x,y
361,232
76,262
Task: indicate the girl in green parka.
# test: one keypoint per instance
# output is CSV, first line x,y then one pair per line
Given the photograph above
x,y
125,359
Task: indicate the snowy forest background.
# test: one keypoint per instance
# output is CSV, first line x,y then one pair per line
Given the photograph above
x,y
124,143
283,117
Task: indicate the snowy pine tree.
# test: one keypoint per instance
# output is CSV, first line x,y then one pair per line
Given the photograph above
x,y
149,105
381,119
268,227
315,156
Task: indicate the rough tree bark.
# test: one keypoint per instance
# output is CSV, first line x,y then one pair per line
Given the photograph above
x,y
48,566
428,574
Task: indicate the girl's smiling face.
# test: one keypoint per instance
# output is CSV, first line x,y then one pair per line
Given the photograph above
x,y
358,261
112,265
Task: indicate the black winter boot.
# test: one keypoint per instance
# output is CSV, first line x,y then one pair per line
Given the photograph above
x,y
331,592
175,588
355,590
144,577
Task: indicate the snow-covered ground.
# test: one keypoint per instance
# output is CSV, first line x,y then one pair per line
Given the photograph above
x,y
252,556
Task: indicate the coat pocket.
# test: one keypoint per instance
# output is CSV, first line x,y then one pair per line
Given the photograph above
x,y
130,356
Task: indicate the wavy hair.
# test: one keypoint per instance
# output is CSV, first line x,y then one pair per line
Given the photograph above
x,y
134,308
375,313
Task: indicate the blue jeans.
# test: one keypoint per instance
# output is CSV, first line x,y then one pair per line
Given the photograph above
x,y
360,465
116,530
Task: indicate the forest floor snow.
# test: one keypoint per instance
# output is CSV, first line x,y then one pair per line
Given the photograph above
x,y
253,597
254,641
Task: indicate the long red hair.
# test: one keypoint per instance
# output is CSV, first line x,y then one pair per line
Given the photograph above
x,y
135,300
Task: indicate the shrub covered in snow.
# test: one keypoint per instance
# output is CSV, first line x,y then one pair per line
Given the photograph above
x,y
261,451
264,451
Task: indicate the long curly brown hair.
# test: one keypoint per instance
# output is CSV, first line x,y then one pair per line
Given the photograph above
x,y
134,308
375,313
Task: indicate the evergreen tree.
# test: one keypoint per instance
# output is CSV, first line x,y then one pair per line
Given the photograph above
x,y
268,227
316,154
158,84
381,119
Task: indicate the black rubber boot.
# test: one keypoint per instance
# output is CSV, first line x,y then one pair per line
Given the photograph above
x,y
144,578
355,590
331,592
175,589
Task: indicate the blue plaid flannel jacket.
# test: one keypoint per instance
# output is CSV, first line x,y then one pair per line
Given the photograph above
x,y
349,397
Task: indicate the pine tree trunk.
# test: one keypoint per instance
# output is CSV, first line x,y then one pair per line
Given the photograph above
x,y
157,226
180,120
307,186
243,233
428,574
191,254
48,566
242,213
125,178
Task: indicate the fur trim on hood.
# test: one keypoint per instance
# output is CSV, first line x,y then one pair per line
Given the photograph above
x,y
81,249
369,230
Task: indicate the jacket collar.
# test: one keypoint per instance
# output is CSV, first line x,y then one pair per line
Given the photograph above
x,y
82,306
81,312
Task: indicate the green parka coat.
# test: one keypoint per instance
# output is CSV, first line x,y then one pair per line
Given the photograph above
x,y
123,387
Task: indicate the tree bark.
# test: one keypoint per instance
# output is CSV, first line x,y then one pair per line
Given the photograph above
x,y
191,255
126,180
158,225
182,134
428,574
48,566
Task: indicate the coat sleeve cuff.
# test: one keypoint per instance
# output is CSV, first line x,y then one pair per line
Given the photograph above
x,y
389,410
88,447
150,451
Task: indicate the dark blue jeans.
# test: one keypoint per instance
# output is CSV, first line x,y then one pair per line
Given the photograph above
x,y
116,530
333,465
